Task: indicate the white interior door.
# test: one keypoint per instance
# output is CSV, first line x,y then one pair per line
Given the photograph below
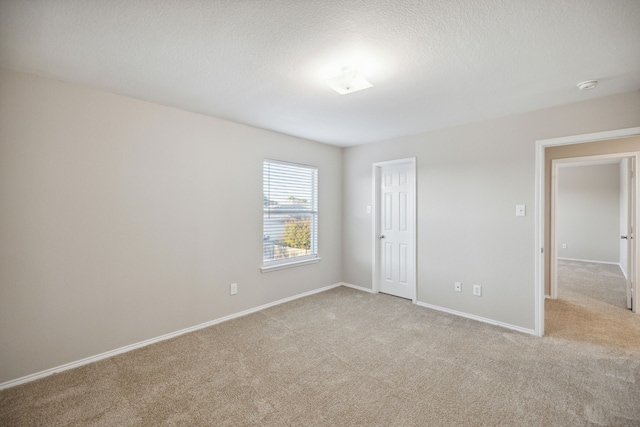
x,y
631,204
396,231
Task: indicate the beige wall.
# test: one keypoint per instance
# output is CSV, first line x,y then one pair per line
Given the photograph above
x,y
588,213
469,179
122,220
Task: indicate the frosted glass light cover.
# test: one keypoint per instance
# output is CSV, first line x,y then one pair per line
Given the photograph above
x,y
348,82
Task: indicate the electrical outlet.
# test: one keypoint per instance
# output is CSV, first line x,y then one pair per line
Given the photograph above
x,y
233,288
477,290
564,246
457,286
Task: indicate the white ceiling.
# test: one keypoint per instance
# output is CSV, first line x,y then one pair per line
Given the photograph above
x,y
433,63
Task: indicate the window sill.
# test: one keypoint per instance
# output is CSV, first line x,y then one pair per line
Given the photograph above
x,y
269,268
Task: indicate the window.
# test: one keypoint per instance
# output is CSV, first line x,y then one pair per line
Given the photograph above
x,y
290,214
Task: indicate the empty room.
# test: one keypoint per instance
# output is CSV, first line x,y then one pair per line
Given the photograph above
x,y
319,213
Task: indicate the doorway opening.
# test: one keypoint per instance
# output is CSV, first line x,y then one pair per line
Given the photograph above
x,y
394,228
591,229
609,142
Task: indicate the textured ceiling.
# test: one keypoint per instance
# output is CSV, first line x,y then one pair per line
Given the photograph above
x,y
433,63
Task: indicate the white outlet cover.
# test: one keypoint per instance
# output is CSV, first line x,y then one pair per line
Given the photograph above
x,y
521,210
477,290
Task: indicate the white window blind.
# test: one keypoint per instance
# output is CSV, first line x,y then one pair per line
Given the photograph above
x,y
290,212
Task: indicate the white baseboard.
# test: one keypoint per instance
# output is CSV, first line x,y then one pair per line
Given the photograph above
x,y
359,288
478,318
590,260
150,341
457,313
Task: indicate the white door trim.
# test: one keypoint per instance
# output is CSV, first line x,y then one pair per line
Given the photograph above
x,y
375,223
539,206
555,164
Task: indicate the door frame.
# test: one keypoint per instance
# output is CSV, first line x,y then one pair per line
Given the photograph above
x,y
539,206
375,222
555,165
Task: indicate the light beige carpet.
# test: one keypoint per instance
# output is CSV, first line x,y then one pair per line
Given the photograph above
x,y
591,306
344,358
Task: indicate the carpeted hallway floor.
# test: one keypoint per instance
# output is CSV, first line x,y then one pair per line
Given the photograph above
x,y
591,306
348,358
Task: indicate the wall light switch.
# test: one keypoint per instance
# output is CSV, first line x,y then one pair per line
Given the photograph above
x,y
368,209
521,210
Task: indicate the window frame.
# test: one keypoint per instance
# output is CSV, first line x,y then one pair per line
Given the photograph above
x,y
312,211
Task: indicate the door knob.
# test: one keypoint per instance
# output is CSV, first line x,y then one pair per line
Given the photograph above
x,y
381,236
623,237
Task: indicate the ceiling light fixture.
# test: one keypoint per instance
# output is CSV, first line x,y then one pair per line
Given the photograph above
x,y
589,84
348,82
